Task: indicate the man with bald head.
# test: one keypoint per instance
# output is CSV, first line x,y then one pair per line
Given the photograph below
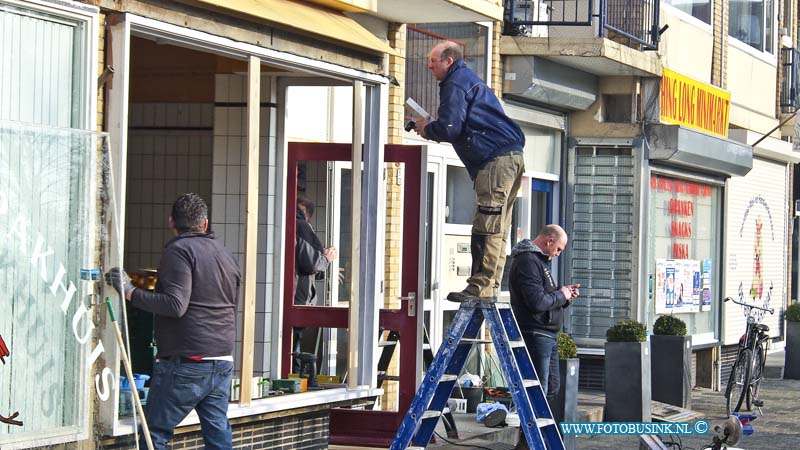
x,y
538,303
489,144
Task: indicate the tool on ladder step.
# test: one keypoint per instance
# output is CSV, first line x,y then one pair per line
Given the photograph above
x,y
536,419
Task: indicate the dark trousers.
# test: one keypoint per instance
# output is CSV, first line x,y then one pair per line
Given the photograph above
x,y
178,387
543,349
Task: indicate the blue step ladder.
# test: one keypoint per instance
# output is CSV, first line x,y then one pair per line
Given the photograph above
x,y
536,419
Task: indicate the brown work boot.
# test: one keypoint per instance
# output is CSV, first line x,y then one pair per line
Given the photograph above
x,y
468,294
522,443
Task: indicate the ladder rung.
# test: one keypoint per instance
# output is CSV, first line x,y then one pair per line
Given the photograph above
x,y
448,378
386,343
415,448
388,378
503,305
431,413
516,344
541,423
474,341
530,383
426,346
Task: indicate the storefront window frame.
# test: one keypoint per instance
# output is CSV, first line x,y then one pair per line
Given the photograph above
x,y
83,121
702,339
135,25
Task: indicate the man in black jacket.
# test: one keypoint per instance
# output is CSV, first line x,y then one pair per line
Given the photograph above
x,y
490,145
195,327
538,304
311,261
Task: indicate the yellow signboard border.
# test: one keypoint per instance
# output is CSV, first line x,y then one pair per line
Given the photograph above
x,y
713,99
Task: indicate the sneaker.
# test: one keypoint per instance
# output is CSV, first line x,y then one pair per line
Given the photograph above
x,y
463,296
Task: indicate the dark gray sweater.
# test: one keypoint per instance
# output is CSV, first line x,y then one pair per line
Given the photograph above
x,y
195,297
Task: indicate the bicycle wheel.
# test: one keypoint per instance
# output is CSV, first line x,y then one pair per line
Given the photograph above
x,y
756,377
736,390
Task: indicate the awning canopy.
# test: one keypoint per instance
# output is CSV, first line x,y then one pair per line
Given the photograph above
x,y
309,19
700,151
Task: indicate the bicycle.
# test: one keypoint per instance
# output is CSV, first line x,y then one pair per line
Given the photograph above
x,y
748,369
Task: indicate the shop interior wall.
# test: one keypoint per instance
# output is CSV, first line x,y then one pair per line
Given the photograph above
x,y
188,134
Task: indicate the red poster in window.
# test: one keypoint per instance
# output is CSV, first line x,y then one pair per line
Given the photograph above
x,y
3,353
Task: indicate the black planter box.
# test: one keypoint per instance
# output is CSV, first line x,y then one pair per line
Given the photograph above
x,y
565,401
627,382
791,367
671,370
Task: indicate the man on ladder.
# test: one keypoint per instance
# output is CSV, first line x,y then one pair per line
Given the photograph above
x,y
490,145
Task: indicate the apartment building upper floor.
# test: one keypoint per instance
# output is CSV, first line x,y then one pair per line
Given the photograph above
x,y
744,47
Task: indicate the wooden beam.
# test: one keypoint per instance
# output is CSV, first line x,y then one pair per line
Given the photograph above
x,y
355,236
251,228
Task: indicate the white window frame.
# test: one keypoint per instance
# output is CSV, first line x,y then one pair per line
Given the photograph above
x,y
770,57
688,18
90,16
136,25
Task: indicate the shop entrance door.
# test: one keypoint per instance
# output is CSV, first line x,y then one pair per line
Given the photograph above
x,y
367,427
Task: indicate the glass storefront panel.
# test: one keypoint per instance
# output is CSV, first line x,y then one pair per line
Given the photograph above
x,y
46,325
684,249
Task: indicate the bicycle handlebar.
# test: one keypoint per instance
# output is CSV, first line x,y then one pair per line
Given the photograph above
x,y
769,310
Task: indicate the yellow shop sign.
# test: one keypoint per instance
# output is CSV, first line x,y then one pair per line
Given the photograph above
x,y
691,103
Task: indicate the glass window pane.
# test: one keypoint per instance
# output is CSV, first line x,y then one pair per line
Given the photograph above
x,y
746,22
46,321
345,238
429,237
699,9
42,77
420,38
684,238
460,208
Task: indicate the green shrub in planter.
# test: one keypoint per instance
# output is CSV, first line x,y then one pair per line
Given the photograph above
x,y
669,326
566,346
793,312
627,330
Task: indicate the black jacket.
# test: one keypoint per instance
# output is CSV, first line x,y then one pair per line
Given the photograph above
x,y
471,118
309,261
537,302
195,297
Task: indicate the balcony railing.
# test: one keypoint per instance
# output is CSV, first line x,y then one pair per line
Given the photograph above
x,y
790,97
634,22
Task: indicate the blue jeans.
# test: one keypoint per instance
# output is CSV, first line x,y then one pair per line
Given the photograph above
x,y
178,387
544,353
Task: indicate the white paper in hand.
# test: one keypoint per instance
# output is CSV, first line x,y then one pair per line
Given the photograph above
x,y
418,111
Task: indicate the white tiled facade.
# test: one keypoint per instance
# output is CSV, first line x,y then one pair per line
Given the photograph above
x,y
228,197
200,147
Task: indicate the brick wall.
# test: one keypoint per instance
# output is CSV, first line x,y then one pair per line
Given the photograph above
x,y
307,431
497,66
397,69
719,63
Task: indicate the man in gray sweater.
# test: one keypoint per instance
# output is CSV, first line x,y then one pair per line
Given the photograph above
x,y
195,311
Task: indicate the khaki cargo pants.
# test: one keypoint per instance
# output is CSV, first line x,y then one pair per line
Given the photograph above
x,y
496,187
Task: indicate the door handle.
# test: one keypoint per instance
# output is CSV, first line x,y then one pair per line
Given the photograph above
x,y
412,303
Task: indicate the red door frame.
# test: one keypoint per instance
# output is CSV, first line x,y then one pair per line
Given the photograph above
x,y
350,426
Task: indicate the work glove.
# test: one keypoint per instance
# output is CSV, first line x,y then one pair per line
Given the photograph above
x,y
119,280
